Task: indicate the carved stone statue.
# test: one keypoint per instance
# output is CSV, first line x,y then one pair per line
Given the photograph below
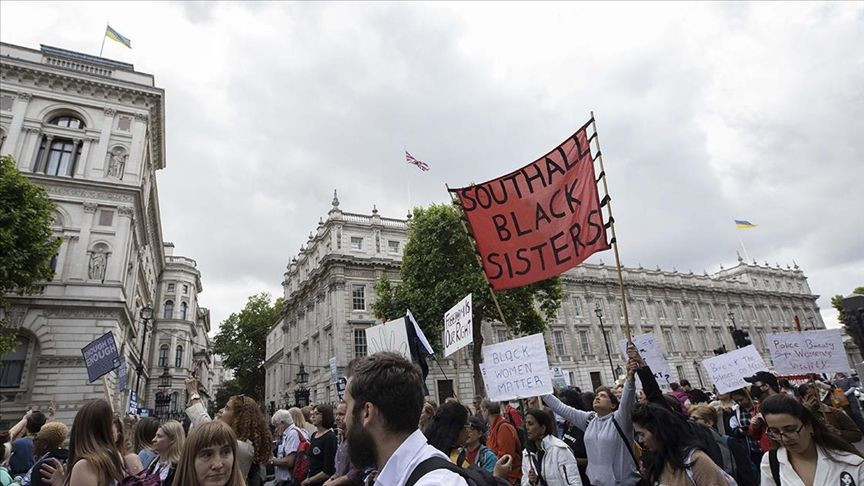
x,y
98,262
116,162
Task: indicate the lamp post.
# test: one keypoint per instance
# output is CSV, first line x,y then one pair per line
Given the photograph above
x,y
598,311
732,318
301,394
146,315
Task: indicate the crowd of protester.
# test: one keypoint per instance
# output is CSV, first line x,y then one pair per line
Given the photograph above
x,y
386,432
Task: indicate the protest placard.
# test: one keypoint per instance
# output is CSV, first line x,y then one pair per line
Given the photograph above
x,y
516,369
728,370
650,351
458,326
390,336
341,383
797,353
559,377
334,370
123,375
100,356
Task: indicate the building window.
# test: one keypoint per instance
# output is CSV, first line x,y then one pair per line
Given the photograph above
x,y
679,313
168,311
163,356
183,308
12,365
688,343
171,288
501,335
703,337
185,289
695,310
106,217
60,158
359,343
558,340
643,309
577,306
67,121
358,297
586,342
178,357
173,404
393,245
661,310
356,243
710,309
681,375
667,338
6,102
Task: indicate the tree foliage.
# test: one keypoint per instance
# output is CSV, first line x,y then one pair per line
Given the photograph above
x,y
241,341
26,243
439,268
228,389
849,324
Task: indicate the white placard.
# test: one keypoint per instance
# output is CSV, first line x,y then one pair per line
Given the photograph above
x,y
516,369
458,323
798,353
728,370
390,336
559,377
650,351
334,370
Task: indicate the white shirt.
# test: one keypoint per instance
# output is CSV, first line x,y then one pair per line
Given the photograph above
x,y
845,470
289,445
408,456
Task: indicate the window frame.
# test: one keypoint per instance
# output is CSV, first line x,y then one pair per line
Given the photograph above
x,y
163,356
360,343
168,309
355,299
178,356
558,341
358,240
24,347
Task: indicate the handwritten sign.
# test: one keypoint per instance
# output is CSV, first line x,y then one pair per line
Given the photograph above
x,y
649,349
340,387
390,336
458,326
559,377
516,369
728,370
334,370
796,353
100,356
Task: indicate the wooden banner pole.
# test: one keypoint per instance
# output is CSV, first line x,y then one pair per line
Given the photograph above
x,y
612,228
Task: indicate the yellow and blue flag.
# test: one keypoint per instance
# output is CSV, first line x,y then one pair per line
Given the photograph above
x,y
744,224
117,37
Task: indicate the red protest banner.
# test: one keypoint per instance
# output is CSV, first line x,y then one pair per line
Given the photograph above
x,y
538,221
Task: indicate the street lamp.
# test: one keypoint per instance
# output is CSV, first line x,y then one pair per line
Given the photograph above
x,y
732,318
301,394
598,311
146,315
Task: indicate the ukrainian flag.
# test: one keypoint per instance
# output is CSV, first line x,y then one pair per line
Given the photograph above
x,y
744,224
115,36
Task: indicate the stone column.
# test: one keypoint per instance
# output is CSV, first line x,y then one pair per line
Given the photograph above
x,y
172,351
29,148
66,257
41,162
134,164
102,149
83,161
117,265
81,258
10,146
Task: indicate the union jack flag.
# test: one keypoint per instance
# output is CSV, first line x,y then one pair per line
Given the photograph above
x,y
419,163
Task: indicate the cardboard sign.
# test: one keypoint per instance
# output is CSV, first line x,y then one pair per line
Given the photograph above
x,y
458,326
341,383
100,356
559,377
390,336
538,221
798,353
728,370
516,369
133,402
334,370
650,351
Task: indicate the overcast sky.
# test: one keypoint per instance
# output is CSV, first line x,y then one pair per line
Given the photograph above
x,y
707,112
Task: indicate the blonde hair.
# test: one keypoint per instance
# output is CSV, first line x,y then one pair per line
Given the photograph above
x,y
91,439
215,433
174,430
297,415
704,412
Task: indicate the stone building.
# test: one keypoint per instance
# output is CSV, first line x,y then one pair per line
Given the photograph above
x,y
91,131
329,288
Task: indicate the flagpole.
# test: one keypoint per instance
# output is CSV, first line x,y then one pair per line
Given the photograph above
x,y
103,39
612,228
408,180
743,248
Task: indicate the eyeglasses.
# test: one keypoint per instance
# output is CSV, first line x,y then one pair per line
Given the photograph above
x,y
788,434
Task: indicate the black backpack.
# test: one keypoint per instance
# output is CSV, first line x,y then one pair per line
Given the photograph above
x,y
474,476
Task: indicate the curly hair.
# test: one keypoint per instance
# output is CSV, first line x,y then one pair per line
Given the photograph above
x,y
249,424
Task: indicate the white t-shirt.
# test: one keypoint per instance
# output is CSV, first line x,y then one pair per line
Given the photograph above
x,y
288,445
408,456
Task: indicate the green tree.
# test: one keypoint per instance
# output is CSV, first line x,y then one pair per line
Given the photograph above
x,y
26,244
439,268
228,389
849,324
241,341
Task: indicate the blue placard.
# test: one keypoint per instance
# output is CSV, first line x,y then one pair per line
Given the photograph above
x,y
100,356
123,375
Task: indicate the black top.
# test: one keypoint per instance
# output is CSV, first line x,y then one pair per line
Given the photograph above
x,y
322,454
36,477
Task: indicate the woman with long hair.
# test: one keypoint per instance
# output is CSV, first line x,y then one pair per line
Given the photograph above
x,y
323,443
210,457
131,462
546,459
300,420
447,429
808,453
142,439
168,444
93,456
835,419
241,413
670,454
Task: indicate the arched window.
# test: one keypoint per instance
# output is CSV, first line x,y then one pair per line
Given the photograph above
x,y
12,365
57,156
67,121
178,357
168,311
183,308
163,356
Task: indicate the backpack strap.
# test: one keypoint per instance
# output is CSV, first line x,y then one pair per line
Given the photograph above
x,y
433,464
775,466
626,443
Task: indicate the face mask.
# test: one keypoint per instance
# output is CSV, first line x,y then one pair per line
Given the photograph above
x,y
756,392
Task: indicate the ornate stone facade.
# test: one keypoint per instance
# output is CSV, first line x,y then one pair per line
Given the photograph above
x,y
90,130
329,288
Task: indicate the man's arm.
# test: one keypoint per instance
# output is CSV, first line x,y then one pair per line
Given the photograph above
x,y
19,429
